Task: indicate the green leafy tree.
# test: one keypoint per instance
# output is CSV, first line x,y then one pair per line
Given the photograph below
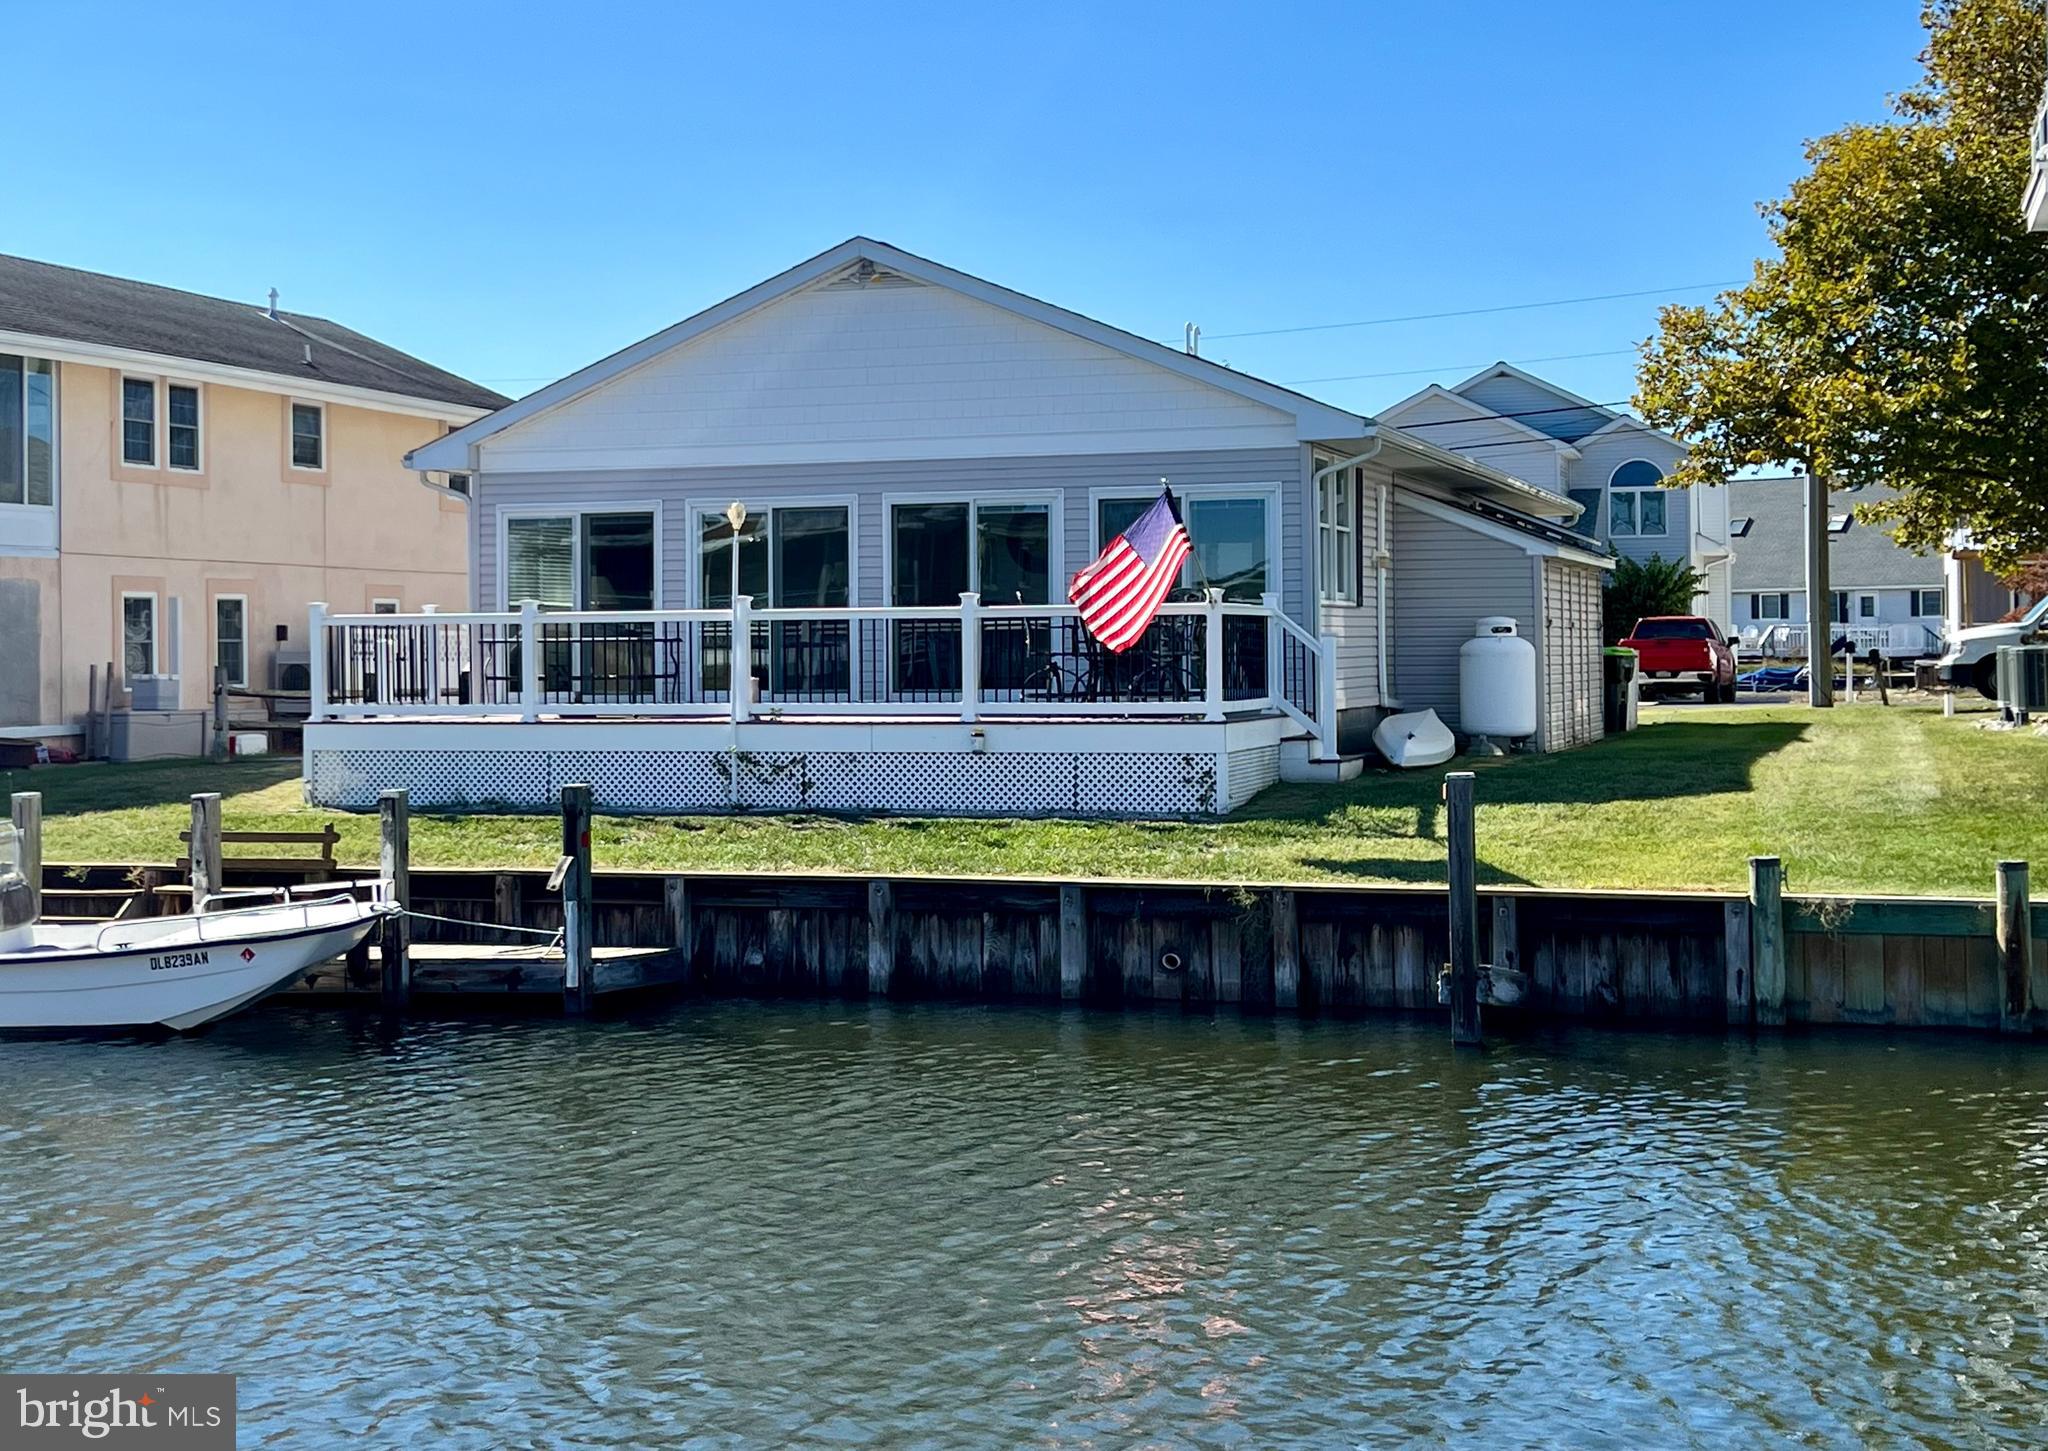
x,y
1901,334
1637,588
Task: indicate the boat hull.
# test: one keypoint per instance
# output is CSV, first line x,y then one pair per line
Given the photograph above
x,y
166,973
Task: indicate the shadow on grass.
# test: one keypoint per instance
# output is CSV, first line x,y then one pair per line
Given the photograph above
x,y
68,790
1667,761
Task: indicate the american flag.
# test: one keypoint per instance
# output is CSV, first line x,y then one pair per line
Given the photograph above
x,y
1122,590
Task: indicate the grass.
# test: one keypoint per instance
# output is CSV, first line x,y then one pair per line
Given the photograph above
x,y
1861,798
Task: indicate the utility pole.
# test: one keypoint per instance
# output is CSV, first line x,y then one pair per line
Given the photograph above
x,y
1820,600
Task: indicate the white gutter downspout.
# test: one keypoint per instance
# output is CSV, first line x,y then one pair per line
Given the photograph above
x,y
1382,567
1328,642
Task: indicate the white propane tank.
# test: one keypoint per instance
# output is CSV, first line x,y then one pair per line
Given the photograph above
x,y
1496,684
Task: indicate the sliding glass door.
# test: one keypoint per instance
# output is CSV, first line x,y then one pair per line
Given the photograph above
x,y
588,561
1232,550
791,557
941,550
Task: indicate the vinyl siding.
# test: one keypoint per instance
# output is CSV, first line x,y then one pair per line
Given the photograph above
x,y
1446,577
1444,422
1354,627
837,372
1595,467
870,487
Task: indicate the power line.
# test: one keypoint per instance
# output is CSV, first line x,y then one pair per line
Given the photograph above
x,y
1317,327
1522,413
1456,367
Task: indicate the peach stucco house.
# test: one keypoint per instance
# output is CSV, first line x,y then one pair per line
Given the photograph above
x,y
180,476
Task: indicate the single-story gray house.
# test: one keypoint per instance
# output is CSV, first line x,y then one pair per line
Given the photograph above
x,y
918,461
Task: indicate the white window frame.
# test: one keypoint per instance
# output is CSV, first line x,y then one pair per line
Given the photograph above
x,y
156,421
25,528
1940,595
291,435
1780,598
577,513
1635,529
199,402
378,603
1866,606
1337,571
1276,571
156,633
1054,501
243,601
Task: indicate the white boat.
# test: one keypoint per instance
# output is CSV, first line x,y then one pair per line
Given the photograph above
x,y
179,971
1415,739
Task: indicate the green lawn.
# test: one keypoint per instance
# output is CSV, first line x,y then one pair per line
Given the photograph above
x,y
1860,798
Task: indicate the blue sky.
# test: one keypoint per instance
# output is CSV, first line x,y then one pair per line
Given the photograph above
x,y
513,193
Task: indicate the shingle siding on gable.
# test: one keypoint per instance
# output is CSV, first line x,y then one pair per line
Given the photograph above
x,y
833,372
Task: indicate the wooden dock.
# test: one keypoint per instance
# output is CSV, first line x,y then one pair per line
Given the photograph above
x,y
455,969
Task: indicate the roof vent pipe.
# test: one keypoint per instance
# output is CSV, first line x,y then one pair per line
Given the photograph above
x,y
1193,340
273,304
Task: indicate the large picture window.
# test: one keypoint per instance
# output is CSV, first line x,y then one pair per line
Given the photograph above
x,y
28,431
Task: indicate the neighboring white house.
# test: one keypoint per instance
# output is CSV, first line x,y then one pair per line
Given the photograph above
x,y
1609,462
924,459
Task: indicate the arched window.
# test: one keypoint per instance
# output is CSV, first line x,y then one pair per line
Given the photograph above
x,y
1635,500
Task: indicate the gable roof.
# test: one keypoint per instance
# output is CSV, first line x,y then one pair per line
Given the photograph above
x,y
40,300
1315,420
1771,554
1477,413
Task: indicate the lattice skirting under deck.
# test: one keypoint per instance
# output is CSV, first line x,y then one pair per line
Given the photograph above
x,y
934,783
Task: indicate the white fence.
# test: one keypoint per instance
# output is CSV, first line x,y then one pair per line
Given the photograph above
x,y
1201,660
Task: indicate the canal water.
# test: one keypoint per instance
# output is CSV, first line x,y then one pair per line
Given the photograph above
x,y
765,1224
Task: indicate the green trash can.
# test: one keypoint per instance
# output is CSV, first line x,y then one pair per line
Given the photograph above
x,y
1618,689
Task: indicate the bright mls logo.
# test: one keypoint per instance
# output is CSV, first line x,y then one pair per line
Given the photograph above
x,y
160,1412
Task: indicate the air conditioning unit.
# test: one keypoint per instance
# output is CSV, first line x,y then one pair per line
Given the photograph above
x,y
291,670
2023,680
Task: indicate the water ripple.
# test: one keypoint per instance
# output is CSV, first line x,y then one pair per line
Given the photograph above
x,y
750,1224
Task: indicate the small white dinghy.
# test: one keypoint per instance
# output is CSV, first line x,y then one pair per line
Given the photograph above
x,y
179,971
1417,738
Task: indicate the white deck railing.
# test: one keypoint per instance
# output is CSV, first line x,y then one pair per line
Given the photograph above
x,y
1909,640
965,662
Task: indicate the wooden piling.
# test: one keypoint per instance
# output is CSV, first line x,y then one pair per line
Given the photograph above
x,y
26,812
578,987
1073,943
1464,907
508,901
1737,956
675,897
205,848
2015,949
394,863
1767,941
882,937
1286,950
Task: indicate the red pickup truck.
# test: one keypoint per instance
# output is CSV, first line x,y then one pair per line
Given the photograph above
x,y
1684,651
